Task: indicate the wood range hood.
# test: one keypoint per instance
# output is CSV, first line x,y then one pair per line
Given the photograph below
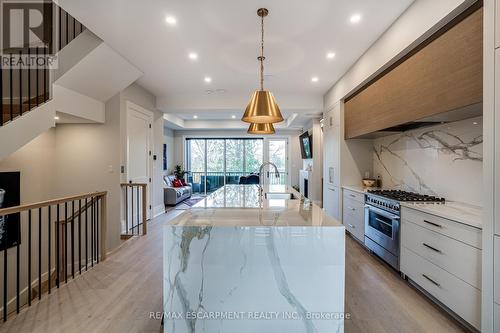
x,y
439,81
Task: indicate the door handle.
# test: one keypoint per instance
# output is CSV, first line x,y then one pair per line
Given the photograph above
x,y
383,222
431,281
432,248
433,224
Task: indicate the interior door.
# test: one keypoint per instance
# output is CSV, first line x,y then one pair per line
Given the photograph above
x,y
139,143
277,153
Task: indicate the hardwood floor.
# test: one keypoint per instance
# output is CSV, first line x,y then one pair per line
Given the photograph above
x,y
119,294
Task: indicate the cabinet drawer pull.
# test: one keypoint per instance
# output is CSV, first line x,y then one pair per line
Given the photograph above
x,y
431,281
351,208
431,247
433,224
352,195
350,225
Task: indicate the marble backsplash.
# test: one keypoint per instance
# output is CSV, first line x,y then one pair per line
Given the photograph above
x,y
443,160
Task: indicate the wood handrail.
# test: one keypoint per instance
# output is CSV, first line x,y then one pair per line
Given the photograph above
x,y
79,212
21,208
133,184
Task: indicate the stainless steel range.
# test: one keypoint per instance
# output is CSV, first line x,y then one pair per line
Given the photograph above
x,y
382,221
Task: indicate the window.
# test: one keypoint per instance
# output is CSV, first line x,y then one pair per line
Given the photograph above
x,y
212,163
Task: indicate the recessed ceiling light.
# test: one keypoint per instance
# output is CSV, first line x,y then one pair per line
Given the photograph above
x,y
233,116
207,79
475,123
314,79
330,55
355,18
56,118
193,56
195,117
171,20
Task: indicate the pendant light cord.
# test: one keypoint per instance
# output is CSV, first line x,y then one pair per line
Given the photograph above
x,y
262,54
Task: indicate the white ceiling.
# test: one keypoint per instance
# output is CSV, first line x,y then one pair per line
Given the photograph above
x,y
225,34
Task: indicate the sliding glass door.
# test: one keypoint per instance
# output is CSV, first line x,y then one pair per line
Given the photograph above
x,y
277,153
212,163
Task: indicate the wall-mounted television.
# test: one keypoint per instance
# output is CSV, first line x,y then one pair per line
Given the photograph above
x,y
306,145
10,229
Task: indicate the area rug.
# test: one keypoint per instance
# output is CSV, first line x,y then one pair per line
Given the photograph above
x,y
186,204
193,201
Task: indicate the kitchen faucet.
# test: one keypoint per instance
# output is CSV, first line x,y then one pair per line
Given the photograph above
x,y
261,178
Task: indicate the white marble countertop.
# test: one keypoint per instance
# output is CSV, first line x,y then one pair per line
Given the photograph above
x,y
456,211
238,205
358,188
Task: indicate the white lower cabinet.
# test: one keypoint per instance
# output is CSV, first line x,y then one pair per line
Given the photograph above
x,y
438,255
331,201
456,294
496,314
353,214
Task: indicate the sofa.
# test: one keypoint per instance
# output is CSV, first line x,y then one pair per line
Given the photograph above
x,y
174,195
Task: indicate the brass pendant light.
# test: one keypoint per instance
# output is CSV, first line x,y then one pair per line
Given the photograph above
x,y
261,129
262,108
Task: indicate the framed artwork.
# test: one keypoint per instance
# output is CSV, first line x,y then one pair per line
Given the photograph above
x,y
164,157
10,195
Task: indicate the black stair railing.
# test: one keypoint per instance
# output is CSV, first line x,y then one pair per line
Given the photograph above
x,y
40,238
135,214
24,88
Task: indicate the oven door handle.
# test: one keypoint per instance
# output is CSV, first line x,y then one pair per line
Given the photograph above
x,y
383,222
381,212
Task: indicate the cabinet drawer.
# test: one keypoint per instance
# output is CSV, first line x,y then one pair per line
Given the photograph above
x,y
354,207
354,218
497,25
496,316
360,197
461,260
459,296
355,226
453,229
496,269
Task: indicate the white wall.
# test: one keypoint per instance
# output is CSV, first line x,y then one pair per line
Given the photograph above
x,y
88,160
35,161
169,139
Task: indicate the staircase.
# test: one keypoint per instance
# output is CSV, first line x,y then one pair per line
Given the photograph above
x,y
88,74
24,89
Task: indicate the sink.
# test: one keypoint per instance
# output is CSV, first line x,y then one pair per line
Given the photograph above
x,y
282,196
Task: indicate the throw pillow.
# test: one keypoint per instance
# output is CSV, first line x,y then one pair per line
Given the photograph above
x,y
183,181
177,183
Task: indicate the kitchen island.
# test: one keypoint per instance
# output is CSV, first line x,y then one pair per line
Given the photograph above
x,y
235,263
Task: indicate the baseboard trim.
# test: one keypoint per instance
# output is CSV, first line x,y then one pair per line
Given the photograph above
x,y
158,210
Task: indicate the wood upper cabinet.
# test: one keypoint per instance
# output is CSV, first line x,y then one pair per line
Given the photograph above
x,y
443,74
